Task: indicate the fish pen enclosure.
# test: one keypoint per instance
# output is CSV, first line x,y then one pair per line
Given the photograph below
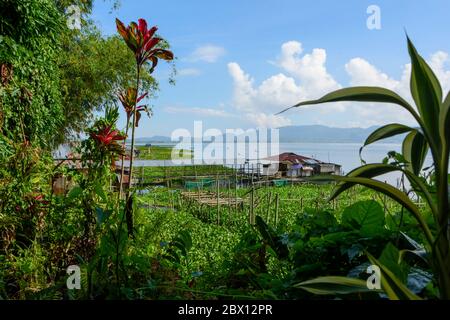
x,y
225,201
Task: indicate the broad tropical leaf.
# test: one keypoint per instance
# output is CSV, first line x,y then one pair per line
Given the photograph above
x,y
394,194
366,216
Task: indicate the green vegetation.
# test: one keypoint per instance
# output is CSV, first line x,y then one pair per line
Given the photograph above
x,y
160,153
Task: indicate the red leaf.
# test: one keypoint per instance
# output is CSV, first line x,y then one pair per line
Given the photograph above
x,y
151,32
150,44
142,97
142,26
154,61
164,54
123,31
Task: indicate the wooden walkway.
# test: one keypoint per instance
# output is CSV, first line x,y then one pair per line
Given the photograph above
x,y
211,198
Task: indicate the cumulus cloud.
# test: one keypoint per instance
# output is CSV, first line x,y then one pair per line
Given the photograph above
x,y
207,53
204,112
309,69
363,73
304,76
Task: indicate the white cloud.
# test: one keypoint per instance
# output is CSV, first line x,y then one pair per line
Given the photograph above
x,y
304,76
307,79
362,72
186,72
205,112
438,62
207,53
274,92
310,69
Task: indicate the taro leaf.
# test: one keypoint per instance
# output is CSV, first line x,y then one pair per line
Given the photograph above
x,y
365,216
272,239
336,237
390,258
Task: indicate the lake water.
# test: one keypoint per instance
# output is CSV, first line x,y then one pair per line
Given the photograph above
x,y
345,154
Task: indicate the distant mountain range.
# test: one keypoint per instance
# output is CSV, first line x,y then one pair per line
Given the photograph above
x,y
153,139
309,133
319,133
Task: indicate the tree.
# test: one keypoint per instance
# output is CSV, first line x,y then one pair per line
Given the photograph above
x,y
93,70
30,102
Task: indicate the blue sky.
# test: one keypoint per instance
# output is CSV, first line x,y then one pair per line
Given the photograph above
x,y
239,62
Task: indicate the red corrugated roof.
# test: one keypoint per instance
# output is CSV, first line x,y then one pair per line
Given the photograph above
x,y
292,158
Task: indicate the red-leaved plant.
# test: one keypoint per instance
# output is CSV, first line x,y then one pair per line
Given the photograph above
x,y
146,48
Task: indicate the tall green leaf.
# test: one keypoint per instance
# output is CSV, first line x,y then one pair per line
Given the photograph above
x,y
362,94
444,119
375,169
334,285
426,91
414,150
386,131
366,171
